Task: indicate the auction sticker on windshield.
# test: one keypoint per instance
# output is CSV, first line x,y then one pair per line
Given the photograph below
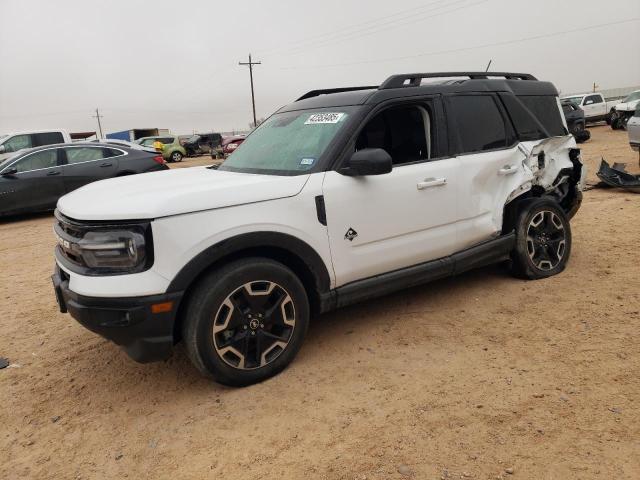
x,y
324,118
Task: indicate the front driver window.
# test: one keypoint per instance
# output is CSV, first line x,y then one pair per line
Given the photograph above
x,y
404,132
17,143
38,160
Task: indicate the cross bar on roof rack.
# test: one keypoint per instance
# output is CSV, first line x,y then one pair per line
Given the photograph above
x,y
315,93
414,79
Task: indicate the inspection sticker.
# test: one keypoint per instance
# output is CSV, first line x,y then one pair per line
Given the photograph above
x,y
324,118
307,161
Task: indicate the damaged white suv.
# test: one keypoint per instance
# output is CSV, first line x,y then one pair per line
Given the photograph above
x,y
343,195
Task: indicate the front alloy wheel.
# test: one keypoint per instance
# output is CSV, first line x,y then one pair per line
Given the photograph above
x,y
245,322
254,325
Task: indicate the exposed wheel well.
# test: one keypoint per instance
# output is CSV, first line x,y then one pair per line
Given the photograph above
x,y
314,282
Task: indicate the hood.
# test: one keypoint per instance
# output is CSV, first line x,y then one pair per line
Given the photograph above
x,y
173,192
628,106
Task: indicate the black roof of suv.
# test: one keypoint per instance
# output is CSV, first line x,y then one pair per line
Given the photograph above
x,y
407,85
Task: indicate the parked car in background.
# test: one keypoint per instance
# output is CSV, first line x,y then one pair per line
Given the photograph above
x,y
595,106
336,198
202,143
228,146
34,179
574,117
623,111
14,142
633,128
172,149
124,143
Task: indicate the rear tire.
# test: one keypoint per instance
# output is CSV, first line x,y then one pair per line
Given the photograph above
x,y
176,157
543,240
246,321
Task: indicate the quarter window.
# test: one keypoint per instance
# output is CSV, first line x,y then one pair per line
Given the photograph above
x,y
480,124
38,160
85,154
545,109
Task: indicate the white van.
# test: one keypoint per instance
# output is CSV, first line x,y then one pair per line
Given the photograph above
x,y
12,142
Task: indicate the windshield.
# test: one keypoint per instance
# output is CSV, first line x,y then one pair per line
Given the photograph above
x,y
575,100
633,97
288,143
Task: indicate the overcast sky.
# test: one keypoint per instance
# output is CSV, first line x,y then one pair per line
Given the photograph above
x,y
174,64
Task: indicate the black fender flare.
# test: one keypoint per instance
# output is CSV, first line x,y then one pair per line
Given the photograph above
x,y
290,250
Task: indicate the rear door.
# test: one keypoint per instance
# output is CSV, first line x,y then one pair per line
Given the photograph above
x,y
86,164
37,184
491,164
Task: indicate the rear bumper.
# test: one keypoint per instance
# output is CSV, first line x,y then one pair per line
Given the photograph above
x,y
128,322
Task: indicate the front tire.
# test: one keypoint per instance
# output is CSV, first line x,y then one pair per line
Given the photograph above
x,y
543,240
246,321
176,157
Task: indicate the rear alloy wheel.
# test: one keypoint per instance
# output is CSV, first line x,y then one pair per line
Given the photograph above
x,y
176,157
246,321
543,240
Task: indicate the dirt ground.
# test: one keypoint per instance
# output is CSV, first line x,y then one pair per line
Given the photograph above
x,y
481,376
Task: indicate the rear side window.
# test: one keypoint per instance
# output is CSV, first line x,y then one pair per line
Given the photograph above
x,y
38,160
545,109
48,138
479,123
166,140
85,154
527,126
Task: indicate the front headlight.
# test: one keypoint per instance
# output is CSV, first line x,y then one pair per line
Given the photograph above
x,y
92,248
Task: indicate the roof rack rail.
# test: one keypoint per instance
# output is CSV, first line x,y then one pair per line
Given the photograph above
x,y
414,79
316,93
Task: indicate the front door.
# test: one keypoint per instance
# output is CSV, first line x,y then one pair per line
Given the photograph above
x,y
37,184
382,223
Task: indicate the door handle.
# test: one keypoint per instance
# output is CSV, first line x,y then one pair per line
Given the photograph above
x,y
431,182
106,165
55,172
508,170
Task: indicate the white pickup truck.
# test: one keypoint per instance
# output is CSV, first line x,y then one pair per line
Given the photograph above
x,y
16,141
595,106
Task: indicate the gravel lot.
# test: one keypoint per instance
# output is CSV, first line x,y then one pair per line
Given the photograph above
x,y
481,376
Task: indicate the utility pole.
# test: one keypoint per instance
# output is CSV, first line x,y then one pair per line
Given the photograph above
x,y
488,65
253,98
98,116
595,87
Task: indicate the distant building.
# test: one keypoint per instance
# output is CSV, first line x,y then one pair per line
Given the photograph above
x,y
136,133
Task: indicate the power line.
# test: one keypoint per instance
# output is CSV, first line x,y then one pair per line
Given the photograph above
x,y
348,29
462,49
375,29
250,64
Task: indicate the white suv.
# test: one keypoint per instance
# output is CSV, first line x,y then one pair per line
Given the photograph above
x,y
341,196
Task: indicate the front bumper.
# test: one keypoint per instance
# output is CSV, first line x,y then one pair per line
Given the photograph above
x,y
128,322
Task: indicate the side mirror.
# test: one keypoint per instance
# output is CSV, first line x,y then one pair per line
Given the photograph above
x,y
10,172
368,161
2,149
588,102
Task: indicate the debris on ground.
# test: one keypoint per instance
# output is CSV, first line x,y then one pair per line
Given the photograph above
x,y
4,363
617,176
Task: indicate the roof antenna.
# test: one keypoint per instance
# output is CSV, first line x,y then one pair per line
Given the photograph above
x,y
488,65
